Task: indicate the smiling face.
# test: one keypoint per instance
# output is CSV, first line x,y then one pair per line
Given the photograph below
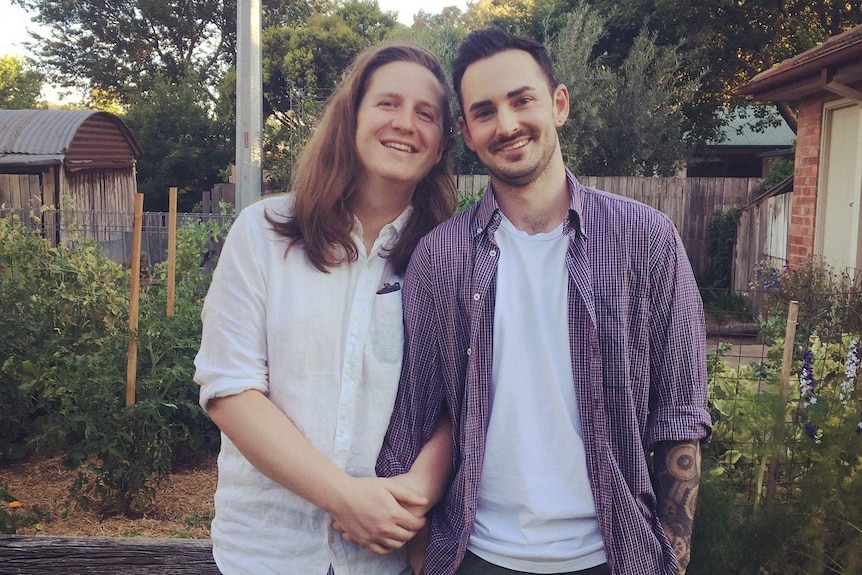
x,y
399,126
511,116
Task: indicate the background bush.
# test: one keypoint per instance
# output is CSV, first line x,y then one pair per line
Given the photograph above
x,y
63,356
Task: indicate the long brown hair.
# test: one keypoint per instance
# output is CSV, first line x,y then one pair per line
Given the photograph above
x,y
324,178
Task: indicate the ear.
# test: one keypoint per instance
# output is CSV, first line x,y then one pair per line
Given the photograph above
x,y
465,132
561,105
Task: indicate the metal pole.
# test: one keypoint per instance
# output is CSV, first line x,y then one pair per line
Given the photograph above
x,y
249,104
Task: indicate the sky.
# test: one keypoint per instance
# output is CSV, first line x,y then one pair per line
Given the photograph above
x,y
14,21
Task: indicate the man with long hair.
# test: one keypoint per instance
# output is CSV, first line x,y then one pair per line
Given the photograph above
x,y
302,333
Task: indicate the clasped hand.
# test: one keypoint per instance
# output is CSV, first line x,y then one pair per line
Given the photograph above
x,y
379,514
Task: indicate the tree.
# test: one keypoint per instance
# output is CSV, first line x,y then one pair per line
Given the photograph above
x,y
121,47
645,127
184,145
20,85
728,42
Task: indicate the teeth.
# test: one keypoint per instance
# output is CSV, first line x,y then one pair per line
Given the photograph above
x,y
397,146
515,146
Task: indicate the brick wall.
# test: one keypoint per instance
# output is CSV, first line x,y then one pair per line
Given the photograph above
x,y
803,209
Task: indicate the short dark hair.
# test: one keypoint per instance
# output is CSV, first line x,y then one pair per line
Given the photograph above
x,y
481,44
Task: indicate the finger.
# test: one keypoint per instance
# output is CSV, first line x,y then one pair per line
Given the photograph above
x,y
385,546
404,495
410,522
337,527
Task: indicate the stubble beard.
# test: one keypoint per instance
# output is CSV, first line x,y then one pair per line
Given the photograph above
x,y
514,176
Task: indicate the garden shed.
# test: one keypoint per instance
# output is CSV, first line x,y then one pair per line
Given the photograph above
x,y
826,84
82,161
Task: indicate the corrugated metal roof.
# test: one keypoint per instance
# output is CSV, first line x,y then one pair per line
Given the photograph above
x,y
39,131
33,137
738,133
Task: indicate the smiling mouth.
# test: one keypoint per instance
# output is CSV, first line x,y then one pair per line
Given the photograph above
x,y
400,146
514,145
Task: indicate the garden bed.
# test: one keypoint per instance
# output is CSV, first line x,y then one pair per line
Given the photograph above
x,y
183,506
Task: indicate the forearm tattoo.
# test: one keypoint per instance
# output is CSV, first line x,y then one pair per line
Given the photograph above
x,y
676,475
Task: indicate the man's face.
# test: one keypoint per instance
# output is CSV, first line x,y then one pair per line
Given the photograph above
x,y
511,116
399,125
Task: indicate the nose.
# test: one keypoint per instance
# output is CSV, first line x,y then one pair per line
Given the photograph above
x,y
507,121
403,119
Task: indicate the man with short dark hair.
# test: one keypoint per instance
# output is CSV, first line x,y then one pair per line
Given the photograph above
x,y
562,329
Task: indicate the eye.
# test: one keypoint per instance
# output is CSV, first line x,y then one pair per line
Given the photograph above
x,y
523,101
386,104
483,114
427,115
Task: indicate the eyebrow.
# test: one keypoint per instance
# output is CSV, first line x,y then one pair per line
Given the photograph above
x,y
509,95
399,96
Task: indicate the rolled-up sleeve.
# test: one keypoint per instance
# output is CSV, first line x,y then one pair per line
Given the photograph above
x,y
232,355
678,397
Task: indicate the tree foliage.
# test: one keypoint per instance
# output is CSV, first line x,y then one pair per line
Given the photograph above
x,y
729,42
20,85
121,46
184,145
623,121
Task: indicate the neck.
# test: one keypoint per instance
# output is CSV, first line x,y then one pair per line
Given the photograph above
x,y
539,206
378,208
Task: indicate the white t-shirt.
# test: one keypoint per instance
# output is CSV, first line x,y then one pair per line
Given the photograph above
x,y
535,508
327,350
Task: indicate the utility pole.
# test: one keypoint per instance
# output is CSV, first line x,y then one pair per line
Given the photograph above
x,y
249,104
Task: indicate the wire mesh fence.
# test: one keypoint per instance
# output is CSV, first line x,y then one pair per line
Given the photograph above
x,y
112,230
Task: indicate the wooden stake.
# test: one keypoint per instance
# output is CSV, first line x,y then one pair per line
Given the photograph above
x,y
172,250
780,423
134,301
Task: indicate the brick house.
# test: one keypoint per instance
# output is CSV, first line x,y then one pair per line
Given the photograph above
x,y
826,84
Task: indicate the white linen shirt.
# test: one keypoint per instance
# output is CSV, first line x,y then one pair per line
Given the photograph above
x,y
327,350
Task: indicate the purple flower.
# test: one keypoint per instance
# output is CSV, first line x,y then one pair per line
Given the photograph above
x,y
806,380
810,430
851,367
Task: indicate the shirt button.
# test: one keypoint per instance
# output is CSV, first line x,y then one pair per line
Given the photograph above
x,y
479,230
469,351
492,253
476,297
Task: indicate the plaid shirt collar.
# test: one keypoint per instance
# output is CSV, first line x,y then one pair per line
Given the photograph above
x,y
487,216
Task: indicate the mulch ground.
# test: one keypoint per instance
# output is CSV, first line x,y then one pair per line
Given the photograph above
x,y
183,506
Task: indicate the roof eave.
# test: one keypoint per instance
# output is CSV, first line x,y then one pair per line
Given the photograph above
x,y
840,67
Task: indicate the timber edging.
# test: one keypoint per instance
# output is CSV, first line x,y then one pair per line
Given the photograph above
x,y
49,555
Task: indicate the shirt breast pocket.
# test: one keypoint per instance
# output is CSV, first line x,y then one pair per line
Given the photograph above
x,y
386,333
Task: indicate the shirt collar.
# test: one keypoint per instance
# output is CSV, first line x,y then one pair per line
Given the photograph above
x,y
488,213
390,231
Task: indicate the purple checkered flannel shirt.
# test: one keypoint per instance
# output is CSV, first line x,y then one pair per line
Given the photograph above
x,y
638,351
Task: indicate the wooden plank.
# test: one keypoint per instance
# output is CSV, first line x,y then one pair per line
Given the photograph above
x,y
43,555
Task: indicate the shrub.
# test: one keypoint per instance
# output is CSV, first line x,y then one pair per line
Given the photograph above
x,y
807,519
64,366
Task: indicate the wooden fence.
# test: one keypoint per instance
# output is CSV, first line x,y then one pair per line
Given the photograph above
x,y
689,202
